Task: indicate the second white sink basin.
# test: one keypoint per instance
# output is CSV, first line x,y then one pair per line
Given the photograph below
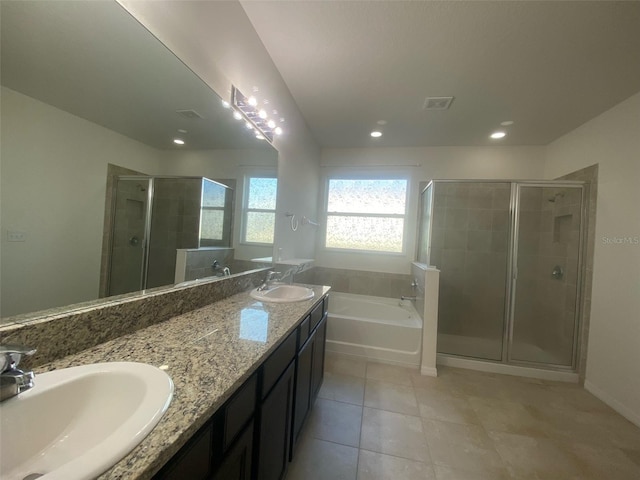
x,y
77,422
282,294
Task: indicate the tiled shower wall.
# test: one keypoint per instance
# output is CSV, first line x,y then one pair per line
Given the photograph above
x,y
359,282
549,239
112,177
589,175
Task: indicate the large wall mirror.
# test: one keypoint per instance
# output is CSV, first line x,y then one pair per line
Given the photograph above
x,y
90,98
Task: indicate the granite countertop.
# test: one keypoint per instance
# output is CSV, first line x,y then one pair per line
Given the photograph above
x,y
208,353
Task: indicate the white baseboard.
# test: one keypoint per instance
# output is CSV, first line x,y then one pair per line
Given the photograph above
x,y
429,371
626,412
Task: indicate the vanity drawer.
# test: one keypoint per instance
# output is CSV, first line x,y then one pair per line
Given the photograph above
x,y
239,410
316,316
277,363
304,331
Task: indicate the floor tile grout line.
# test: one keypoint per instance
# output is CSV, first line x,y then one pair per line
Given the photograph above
x,y
430,462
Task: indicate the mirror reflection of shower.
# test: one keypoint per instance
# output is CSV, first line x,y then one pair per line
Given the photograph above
x,y
154,217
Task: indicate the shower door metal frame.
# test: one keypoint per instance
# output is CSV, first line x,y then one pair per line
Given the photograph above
x,y
512,283
511,270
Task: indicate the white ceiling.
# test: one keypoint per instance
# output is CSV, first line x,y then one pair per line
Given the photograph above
x,y
548,66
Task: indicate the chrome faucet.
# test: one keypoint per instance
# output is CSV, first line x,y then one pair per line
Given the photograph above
x,y
269,279
12,380
219,268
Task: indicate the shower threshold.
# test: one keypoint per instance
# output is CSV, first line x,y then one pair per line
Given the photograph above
x,y
502,368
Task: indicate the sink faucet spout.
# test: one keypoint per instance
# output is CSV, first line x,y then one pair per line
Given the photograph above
x,y
12,380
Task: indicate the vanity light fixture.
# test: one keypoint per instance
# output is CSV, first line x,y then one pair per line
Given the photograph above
x,y
498,135
376,134
256,117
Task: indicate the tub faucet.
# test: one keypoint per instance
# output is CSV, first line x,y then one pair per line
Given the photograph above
x,y
219,268
12,380
403,297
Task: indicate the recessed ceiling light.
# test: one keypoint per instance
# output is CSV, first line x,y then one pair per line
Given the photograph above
x,y
376,134
498,135
506,123
178,141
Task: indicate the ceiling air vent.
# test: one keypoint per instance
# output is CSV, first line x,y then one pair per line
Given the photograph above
x,y
190,114
437,103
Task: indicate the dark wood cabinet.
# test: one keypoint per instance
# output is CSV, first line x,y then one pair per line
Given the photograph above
x,y
275,429
252,436
193,461
309,371
302,389
317,369
237,462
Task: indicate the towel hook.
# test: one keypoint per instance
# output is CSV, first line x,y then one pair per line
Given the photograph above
x,y
294,221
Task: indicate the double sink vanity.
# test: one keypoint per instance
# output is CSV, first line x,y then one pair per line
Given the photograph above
x,y
223,394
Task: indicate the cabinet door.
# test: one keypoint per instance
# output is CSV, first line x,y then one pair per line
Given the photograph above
x,y
317,370
275,429
303,389
192,461
237,462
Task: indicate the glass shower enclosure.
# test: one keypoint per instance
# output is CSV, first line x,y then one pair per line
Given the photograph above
x,y
510,257
153,217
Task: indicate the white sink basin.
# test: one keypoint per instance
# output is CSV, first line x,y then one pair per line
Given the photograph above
x,y
282,294
77,422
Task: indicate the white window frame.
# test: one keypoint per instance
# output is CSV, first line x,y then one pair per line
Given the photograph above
x,y
366,174
245,208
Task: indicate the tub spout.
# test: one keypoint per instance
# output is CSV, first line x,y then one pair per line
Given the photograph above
x,y
408,298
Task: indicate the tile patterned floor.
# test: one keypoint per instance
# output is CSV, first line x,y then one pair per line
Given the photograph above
x,y
381,422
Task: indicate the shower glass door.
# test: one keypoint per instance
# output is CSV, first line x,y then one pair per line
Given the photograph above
x,y
547,246
469,230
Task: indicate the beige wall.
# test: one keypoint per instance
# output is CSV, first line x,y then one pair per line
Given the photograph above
x,y
54,173
423,164
217,41
612,140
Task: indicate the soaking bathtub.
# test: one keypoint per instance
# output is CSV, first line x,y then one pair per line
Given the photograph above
x,y
377,328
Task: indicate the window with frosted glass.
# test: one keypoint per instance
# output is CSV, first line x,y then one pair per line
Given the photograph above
x,y
366,214
260,210
212,217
